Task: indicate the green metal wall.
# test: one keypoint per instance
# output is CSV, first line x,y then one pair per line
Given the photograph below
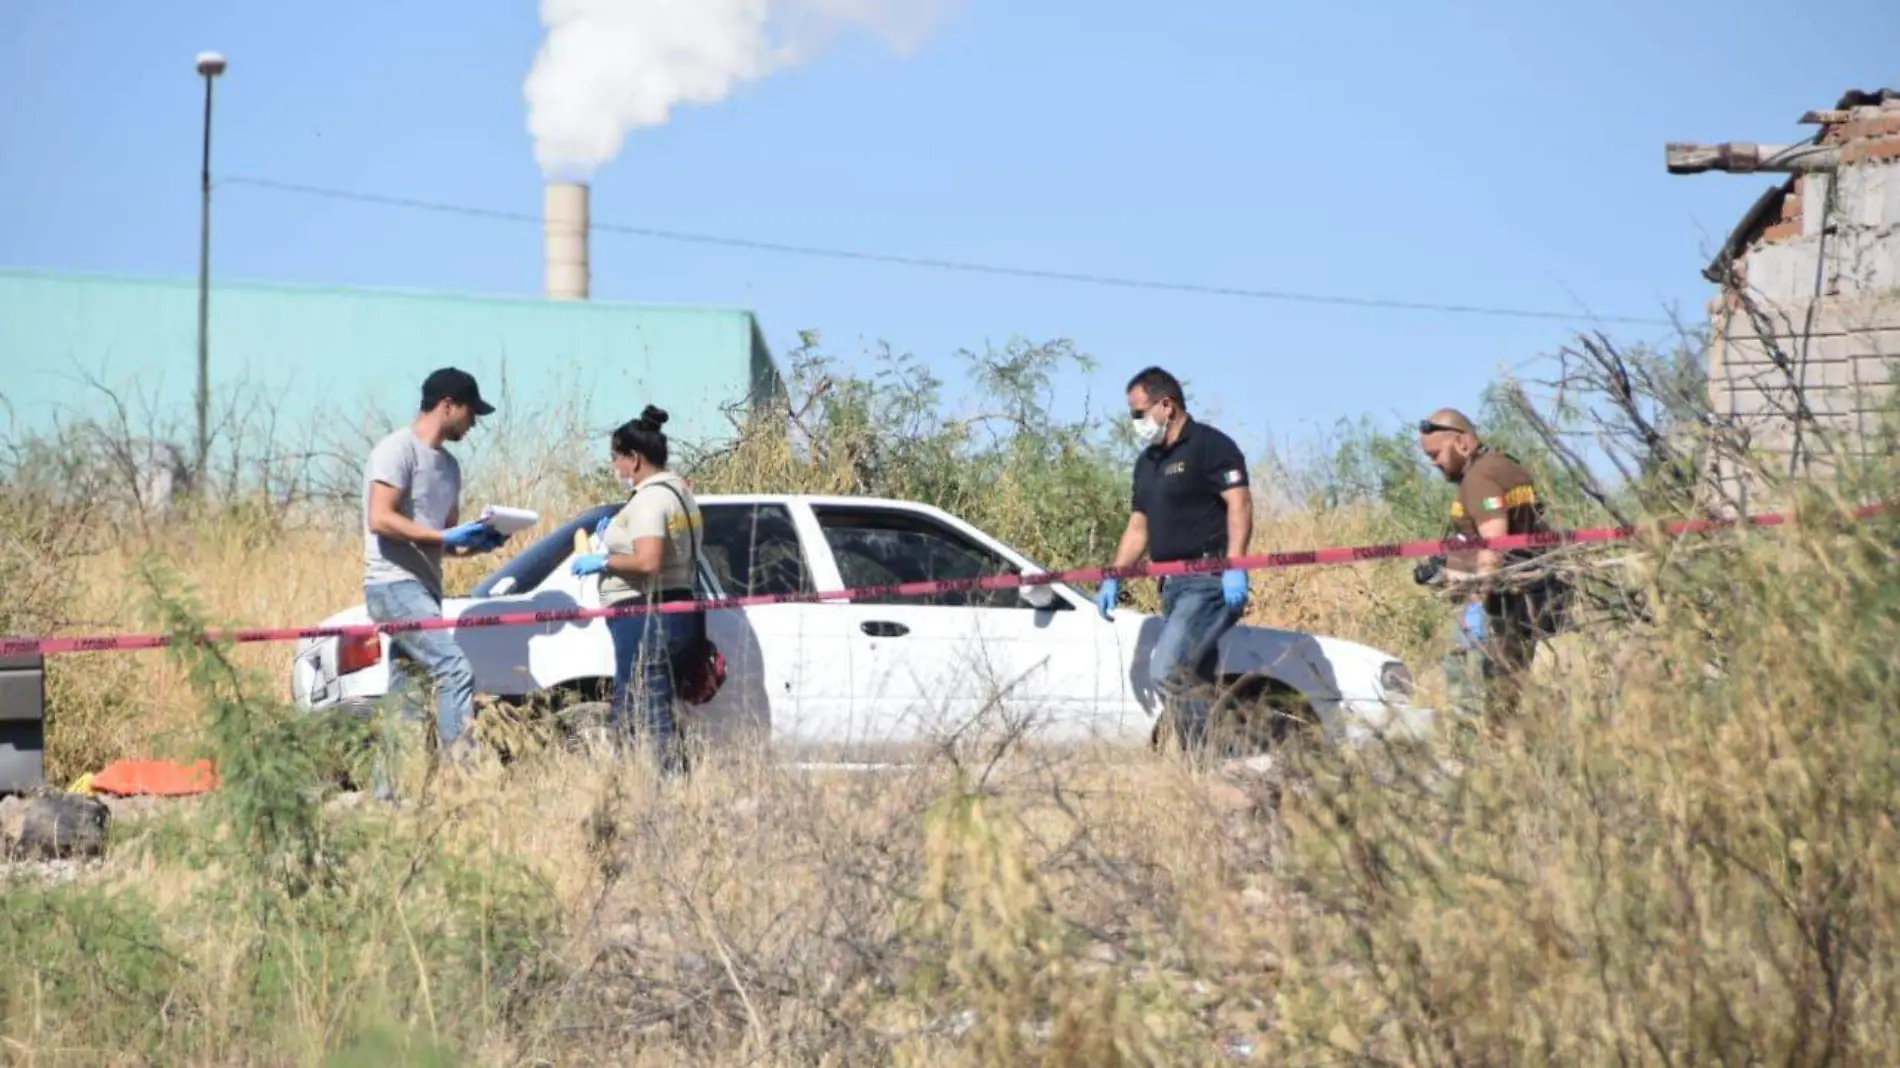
x,y
314,348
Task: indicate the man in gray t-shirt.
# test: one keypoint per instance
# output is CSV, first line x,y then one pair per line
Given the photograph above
x,y
428,485
412,492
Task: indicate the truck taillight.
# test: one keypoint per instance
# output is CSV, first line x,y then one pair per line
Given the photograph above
x,y
356,652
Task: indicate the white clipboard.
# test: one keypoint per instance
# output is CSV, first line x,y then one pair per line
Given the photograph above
x,y
509,521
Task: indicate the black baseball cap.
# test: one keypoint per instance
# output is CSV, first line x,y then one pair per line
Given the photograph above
x,y
458,386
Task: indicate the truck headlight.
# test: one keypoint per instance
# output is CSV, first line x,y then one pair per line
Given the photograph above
x,y
1396,680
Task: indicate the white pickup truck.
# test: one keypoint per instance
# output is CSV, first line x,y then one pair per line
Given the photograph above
x,y
852,678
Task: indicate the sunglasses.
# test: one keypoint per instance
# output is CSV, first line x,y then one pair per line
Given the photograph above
x,y
1426,426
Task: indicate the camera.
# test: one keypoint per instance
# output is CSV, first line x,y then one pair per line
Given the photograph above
x,y
1430,572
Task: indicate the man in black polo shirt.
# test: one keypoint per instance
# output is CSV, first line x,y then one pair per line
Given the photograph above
x,y
1191,501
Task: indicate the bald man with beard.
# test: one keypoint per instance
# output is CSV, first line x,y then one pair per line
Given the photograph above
x,y
1497,497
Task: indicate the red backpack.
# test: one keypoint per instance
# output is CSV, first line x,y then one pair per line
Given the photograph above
x,y
701,670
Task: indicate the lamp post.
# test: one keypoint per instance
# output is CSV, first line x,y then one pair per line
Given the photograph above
x,y
210,65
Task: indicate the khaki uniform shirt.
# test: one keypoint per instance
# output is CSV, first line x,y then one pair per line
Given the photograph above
x,y
1493,485
654,512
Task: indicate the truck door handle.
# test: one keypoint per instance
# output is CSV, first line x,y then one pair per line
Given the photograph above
x,y
883,628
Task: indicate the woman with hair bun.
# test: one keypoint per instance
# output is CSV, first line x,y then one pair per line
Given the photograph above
x,y
651,555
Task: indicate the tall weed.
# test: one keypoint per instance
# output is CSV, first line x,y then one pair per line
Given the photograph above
x,y
289,931
1682,851
1682,854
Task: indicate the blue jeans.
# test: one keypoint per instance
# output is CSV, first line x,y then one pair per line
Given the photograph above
x,y
435,650
1185,660
646,649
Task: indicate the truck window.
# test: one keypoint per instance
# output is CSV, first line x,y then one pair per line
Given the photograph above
x,y
879,546
753,549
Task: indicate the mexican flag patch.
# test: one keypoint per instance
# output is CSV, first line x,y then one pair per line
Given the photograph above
x,y
1492,504
1231,478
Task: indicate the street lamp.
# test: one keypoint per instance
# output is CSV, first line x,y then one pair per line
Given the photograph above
x,y
210,65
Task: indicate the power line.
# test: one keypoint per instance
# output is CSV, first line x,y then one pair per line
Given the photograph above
x,y
949,265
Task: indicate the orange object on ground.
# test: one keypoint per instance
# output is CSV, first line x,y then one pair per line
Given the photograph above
x,y
158,778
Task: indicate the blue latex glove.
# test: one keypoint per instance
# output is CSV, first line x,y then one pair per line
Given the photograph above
x,y
600,528
1105,598
468,537
590,563
1472,626
1233,587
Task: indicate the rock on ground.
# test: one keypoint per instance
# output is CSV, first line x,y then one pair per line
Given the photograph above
x,y
54,827
12,819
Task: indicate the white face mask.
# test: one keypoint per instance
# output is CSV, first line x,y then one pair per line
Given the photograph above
x,y
1148,431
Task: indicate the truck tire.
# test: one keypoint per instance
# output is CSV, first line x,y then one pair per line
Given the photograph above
x,y
1250,715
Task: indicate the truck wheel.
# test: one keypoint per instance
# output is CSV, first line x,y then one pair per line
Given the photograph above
x,y
1249,715
1255,714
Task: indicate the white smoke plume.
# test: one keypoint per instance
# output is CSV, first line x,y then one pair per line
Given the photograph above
x,y
607,67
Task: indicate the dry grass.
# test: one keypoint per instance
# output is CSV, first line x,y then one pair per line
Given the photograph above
x,y
1681,852
1078,908
111,706
1684,852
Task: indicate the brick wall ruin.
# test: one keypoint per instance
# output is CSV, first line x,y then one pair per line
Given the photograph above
x,y
1806,329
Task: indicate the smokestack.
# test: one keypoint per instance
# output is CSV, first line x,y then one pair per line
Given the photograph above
x,y
565,223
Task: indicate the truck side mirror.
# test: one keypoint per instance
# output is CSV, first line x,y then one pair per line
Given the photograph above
x,y
1037,597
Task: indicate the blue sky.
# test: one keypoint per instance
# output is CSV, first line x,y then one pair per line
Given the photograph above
x,y
1491,153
